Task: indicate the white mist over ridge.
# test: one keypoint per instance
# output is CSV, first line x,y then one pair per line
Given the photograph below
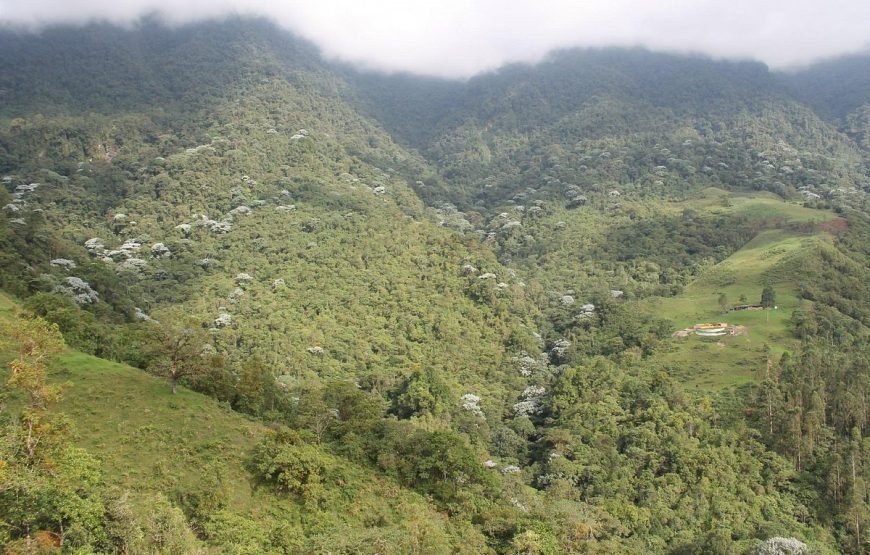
x,y
458,38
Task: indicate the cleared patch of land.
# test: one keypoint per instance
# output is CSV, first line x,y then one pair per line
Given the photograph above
x,y
772,258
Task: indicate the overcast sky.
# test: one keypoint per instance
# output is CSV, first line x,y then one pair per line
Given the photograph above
x,y
461,37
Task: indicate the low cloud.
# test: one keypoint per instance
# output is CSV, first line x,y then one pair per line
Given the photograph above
x,y
458,38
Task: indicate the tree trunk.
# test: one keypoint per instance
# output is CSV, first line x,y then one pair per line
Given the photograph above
x,y
29,443
174,385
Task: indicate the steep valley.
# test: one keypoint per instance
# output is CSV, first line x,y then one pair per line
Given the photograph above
x,y
412,315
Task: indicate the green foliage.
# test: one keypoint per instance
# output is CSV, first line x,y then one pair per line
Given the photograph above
x,y
437,463
768,297
156,527
80,328
180,349
292,466
462,348
51,492
186,448
245,536
834,87
649,455
423,393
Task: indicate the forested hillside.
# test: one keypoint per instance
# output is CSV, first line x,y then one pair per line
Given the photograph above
x,y
839,90
394,314
598,120
834,88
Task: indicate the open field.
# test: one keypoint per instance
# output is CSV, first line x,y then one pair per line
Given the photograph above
x,y
773,258
755,206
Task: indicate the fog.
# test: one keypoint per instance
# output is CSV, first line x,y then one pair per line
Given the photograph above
x,y
458,38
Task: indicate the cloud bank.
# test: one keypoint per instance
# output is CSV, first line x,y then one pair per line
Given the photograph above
x,y
458,38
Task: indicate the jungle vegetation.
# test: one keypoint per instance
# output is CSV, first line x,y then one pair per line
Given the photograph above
x,y
258,302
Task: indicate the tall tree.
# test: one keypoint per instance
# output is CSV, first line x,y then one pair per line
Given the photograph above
x,y
181,349
47,487
768,297
37,340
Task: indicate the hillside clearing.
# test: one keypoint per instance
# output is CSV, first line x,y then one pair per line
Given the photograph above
x,y
770,258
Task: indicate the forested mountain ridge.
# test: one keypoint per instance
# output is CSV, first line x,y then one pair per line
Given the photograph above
x,y
171,68
625,118
834,88
429,288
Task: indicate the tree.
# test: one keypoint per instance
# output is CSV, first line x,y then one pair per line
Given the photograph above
x,y
439,463
37,341
284,460
180,349
424,392
527,543
768,297
50,493
256,389
781,546
723,302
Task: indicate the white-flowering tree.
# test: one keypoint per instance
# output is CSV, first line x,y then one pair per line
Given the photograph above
x,y
781,546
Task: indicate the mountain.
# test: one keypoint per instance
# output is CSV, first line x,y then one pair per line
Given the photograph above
x,y
839,90
836,87
610,129
655,116
442,312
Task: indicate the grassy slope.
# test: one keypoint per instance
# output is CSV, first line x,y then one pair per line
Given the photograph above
x,y
150,440
147,438
769,258
145,435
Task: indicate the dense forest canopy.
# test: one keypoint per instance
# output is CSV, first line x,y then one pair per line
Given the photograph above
x,y
259,302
